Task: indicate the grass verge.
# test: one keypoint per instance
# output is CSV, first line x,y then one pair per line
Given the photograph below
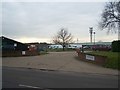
x,y
43,53
112,58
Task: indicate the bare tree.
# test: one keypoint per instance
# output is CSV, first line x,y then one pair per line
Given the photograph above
x,y
110,18
63,38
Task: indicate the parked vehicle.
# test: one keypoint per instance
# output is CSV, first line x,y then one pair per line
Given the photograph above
x,y
86,47
101,47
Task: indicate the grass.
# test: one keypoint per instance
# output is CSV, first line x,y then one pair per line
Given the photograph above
x,y
43,53
112,58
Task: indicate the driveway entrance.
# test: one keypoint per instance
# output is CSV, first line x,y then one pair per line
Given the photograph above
x,y
65,61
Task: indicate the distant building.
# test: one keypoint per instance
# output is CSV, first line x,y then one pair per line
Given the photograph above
x,y
8,44
33,46
55,46
43,46
37,46
79,45
74,45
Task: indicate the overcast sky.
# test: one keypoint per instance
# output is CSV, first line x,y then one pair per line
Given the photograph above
x,y
40,21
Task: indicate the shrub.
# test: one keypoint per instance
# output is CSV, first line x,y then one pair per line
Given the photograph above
x,y
116,46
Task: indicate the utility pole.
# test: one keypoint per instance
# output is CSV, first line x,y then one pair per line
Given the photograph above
x,y
91,31
94,37
119,31
77,40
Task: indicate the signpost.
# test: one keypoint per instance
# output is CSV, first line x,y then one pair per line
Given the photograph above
x,y
23,52
90,57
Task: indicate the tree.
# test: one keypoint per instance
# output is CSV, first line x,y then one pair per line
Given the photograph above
x,y
63,37
110,18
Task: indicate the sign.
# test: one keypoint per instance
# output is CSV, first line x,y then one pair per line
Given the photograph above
x,y
90,57
15,44
23,52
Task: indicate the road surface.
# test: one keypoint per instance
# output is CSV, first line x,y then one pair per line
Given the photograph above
x,y
63,61
42,79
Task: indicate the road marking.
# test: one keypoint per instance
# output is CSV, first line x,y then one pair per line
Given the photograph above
x,y
21,85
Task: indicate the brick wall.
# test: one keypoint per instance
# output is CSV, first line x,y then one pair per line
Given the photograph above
x,y
19,53
97,59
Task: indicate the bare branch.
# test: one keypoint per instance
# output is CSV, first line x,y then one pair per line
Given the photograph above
x,y
63,38
110,17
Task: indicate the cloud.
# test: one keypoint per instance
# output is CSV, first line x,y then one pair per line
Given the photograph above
x,y
0,19
55,1
41,20
28,40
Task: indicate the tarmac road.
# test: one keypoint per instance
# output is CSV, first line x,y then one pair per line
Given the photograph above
x,y
45,79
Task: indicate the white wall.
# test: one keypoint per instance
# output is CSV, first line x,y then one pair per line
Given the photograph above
x,y
69,46
55,46
75,46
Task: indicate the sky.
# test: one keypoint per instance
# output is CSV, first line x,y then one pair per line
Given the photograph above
x,y
40,21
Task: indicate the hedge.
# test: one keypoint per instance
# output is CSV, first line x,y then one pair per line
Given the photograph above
x,y
116,46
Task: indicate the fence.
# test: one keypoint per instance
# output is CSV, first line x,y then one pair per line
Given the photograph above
x,y
19,53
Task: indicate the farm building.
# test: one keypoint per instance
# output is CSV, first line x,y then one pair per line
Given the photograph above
x,y
12,45
11,48
35,46
79,45
55,46
43,46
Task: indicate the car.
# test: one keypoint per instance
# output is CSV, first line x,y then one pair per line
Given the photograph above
x,y
86,47
101,47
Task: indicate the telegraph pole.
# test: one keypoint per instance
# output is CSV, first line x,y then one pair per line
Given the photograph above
x,y
77,40
91,31
94,37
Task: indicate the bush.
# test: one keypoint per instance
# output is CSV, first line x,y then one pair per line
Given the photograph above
x,y
116,46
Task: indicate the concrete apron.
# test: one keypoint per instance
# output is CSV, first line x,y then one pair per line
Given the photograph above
x,y
63,61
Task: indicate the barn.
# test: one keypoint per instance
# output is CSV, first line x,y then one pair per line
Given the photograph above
x,y
8,44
